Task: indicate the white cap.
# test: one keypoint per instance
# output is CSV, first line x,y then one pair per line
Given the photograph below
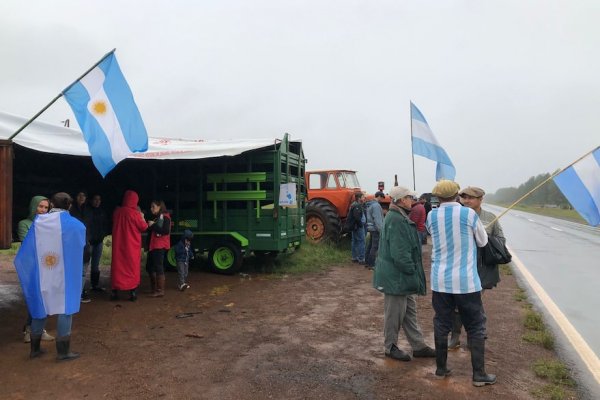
x,y
398,192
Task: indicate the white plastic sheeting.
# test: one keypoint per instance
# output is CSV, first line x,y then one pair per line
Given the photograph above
x,y
50,138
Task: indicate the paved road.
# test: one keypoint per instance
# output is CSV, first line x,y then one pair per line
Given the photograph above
x,y
564,258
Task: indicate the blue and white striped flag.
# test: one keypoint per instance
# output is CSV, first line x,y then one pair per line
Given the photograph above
x,y
107,114
425,144
50,263
580,183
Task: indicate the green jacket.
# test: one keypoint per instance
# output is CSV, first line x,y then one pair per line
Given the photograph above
x,y
24,224
399,266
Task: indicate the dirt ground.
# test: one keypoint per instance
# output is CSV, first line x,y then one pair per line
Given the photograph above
x,y
315,336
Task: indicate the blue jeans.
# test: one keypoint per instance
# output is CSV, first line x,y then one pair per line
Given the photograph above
x,y
182,271
422,236
63,325
358,244
469,307
96,250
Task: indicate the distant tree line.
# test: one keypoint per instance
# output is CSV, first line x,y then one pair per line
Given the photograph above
x,y
547,195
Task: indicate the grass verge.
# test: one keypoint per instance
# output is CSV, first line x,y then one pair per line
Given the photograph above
x,y
560,386
14,247
569,215
311,257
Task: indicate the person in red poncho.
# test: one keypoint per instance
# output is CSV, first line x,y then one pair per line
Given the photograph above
x,y
128,225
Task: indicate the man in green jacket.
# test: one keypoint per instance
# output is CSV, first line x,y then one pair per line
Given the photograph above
x,y
399,275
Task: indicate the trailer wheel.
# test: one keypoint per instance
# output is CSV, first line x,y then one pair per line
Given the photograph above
x,y
225,257
171,257
322,221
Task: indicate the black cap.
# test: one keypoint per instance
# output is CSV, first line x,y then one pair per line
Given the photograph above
x,y
379,194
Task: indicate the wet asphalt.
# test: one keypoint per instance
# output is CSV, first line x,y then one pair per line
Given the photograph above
x,y
564,258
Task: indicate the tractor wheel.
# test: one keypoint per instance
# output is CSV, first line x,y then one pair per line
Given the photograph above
x,y
322,222
225,257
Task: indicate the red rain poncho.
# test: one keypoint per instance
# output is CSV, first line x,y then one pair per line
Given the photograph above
x,y
128,225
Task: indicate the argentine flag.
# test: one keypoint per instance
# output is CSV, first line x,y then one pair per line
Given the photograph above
x,y
580,183
50,263
426,145
107,114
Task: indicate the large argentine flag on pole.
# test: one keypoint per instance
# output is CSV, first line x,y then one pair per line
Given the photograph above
x,y
580,183
107,114
49,264
425,144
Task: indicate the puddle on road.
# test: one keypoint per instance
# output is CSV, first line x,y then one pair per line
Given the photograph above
x,y
220,290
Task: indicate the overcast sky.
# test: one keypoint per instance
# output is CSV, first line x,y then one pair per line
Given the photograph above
x,y
511,89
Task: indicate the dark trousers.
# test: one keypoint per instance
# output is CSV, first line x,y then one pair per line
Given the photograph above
x,y
469,307
155,262
372,248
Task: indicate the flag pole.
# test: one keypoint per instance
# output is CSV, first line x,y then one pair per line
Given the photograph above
x,y
540,185
412,149
59,96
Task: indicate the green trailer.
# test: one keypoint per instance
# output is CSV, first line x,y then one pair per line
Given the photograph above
x,y
232,204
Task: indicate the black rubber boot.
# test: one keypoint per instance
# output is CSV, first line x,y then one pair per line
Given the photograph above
x,y
63,349
480,377
36,350
132,295
441,357
114,295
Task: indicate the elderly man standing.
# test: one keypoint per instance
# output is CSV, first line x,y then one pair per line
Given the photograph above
x,y
489,275
456,233
399,275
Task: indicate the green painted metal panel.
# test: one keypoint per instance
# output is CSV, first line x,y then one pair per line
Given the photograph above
x,y
239,177
233,195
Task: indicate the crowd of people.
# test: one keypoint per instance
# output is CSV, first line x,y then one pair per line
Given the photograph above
x,y
459,229
81,229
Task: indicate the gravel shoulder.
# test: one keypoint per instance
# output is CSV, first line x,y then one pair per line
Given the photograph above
x,y
315,336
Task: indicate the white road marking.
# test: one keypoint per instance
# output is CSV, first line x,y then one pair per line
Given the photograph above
x,y
579,344
556,229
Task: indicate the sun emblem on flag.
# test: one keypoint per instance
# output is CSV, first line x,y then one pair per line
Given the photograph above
x,y
50,259
99,107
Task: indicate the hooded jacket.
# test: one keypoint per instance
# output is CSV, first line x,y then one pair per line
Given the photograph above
x,y
25,224
128,225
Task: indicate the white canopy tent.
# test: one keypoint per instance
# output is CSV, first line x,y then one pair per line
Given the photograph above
x,y
48,138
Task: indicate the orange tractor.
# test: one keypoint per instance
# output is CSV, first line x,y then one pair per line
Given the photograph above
x,y
330,194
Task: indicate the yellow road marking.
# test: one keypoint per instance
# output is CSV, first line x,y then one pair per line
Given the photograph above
x,y
579,344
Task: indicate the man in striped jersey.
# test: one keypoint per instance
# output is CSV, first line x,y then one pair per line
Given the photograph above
x,y
456,232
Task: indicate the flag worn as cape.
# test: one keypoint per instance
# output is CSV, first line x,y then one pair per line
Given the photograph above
x,y
50,263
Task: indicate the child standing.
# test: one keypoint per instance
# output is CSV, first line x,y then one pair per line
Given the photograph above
x,y
183,255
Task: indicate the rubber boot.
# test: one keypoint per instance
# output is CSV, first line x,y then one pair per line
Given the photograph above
x,y
441,357
454,342
152,276
480,377
160,286
132,295
63,349
36,351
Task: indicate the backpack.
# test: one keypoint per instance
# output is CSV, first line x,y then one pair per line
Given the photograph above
x,y
354,219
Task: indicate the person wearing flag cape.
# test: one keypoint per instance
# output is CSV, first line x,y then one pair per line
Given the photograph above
x,y
49,268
